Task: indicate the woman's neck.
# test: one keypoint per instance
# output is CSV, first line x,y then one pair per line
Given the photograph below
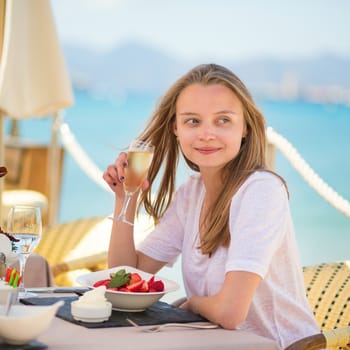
x,y
212,181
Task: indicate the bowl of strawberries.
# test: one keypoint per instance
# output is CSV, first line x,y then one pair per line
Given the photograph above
x,y
129,289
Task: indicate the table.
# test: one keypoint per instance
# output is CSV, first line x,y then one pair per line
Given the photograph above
x,y
65,335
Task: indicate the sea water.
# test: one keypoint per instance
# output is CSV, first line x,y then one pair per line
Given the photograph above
x,y
320,132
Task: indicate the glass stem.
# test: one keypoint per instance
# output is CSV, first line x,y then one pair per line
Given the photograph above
x,y
22,265
122,215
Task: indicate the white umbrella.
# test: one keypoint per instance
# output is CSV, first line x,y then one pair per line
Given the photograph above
x,y
34,81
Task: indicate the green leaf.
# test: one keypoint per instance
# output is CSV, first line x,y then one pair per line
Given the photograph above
x,y
119,279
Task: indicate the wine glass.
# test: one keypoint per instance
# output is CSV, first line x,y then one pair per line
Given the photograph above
x,y
139,159
24,223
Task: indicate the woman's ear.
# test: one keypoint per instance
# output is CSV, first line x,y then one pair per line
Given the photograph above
x,y
175,128
245,131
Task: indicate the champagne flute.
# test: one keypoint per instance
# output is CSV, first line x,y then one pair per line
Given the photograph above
x,y
24,223
139,159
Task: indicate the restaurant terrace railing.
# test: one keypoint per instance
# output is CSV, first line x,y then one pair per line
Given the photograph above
x,y
275,140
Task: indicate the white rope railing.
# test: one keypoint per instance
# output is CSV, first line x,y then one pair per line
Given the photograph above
x,y
79,155
282,144
309,175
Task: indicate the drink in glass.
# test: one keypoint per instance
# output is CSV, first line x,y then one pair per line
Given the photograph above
x,y
24,223
139,159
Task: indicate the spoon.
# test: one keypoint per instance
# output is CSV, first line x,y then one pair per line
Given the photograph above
x,y
12,297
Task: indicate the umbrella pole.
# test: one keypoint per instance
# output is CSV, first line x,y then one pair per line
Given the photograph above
x,y
53,171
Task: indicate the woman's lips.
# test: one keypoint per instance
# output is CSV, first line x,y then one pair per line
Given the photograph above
x,y
207,150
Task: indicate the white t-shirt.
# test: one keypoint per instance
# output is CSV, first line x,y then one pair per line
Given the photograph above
x,y
262,242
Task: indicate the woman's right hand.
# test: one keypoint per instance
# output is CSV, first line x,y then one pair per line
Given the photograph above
x,y
115,174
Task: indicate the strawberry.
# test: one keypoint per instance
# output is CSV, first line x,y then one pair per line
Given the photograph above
x,y
129,282
135,287
102,283
158,286
151,280
134,277
144,288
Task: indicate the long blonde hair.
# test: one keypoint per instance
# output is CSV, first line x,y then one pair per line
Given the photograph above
x,y
160,132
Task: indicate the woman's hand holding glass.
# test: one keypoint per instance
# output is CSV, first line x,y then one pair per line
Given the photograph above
x,y
128,174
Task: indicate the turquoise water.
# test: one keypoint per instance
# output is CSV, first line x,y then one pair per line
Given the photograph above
x,y
320,133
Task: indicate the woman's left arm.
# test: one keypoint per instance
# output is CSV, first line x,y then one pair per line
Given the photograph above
x,y
229,307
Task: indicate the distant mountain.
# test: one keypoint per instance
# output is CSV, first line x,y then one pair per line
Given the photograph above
x,y
129,68
135,68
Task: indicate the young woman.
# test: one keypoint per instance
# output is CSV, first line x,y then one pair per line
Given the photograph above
x,y
231,222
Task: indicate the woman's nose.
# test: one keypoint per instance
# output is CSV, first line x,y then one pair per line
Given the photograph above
x,y
207,132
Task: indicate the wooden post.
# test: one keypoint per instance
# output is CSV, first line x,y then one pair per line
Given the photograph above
x,y
53,171
270,156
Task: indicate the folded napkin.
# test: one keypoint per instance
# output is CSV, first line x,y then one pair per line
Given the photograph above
x,y
158,313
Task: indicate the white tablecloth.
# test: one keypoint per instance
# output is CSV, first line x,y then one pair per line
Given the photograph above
x,y
65,335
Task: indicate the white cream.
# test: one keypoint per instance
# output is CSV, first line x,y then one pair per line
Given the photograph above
x,y
93,298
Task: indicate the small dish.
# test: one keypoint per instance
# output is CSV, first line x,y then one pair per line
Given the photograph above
x,y
91,314
128,301
25,323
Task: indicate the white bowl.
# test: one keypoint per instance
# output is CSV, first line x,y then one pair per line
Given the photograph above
x,y
128,301
91,314
25,323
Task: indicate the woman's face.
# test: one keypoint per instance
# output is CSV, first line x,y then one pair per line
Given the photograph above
x,y
209,125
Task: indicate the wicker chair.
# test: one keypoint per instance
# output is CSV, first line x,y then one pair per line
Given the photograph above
x,y
64,248
328,290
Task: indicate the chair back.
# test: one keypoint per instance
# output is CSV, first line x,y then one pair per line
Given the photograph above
x,y
328,290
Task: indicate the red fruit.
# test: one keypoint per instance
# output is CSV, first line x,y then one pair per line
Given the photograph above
x,y
135,287
151,280
144,288
134,277
157,285
8,275
102,283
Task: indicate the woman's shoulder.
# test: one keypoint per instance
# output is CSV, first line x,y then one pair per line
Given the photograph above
x,y
265,176
265,181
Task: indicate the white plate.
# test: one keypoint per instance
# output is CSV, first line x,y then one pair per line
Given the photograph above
x,y
128,301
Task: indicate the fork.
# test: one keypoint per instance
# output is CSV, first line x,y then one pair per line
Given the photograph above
x,y
158,328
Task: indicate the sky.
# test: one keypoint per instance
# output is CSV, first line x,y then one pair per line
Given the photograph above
x,y
224,29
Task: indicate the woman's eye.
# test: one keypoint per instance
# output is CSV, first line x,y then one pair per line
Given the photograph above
x,y
192,121
223,120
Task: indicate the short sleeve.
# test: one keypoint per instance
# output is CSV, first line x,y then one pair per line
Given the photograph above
x,y
259,215
164,243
